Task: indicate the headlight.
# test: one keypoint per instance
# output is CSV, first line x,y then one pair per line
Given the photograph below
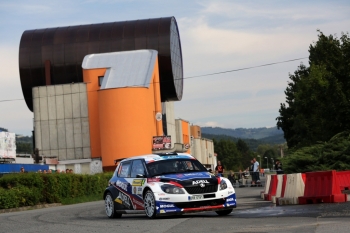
x,y
171,189
223,185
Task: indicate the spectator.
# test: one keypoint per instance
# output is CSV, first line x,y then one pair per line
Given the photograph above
x,y
251,172
67,170
232,177
44,171
22,170
220,169
70,170
58,171
278,167
39,171
49,171
256,169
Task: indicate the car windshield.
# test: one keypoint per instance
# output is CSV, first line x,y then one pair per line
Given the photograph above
x,y
172,166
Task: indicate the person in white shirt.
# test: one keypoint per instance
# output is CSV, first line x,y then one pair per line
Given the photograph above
x,y
256,169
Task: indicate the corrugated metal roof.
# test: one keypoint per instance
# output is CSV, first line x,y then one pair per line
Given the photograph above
x,y
124,69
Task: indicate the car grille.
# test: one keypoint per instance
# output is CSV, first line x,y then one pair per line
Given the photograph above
x,y
206,189
196,204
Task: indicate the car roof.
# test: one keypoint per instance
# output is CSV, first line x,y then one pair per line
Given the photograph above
x,y
161,156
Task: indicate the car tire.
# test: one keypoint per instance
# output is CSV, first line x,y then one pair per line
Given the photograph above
x,y
224,212
150,204
110,207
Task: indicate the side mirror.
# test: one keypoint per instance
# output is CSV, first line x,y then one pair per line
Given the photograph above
x,y
140,176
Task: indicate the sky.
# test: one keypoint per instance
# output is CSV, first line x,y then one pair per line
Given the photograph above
x,y
216,36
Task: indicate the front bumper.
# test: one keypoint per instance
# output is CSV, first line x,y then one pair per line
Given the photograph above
x,y
180,203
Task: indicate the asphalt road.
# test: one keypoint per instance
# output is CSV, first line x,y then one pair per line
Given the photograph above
x,y
251,215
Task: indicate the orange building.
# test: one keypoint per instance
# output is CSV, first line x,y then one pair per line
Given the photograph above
x,y
123,98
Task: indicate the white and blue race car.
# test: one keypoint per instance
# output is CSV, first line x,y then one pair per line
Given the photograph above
x,y
166,184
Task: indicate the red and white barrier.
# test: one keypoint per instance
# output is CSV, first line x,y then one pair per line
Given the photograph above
x,y
295,187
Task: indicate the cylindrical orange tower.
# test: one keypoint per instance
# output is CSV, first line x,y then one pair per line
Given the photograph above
x,y
127,123
123,102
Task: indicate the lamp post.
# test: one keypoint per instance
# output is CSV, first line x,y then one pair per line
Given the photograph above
x,y
260,160
267,162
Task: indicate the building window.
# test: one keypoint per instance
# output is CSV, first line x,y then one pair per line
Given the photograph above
x,y
100,80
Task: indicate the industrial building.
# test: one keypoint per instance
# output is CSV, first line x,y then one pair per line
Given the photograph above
x,y
102,92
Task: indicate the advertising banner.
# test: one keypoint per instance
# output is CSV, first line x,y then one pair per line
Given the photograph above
x,y
161,142
7,145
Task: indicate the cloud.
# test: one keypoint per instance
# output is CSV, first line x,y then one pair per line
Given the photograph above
x,y
209,124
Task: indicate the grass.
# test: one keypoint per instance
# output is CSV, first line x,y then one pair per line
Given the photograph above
x,y
76,200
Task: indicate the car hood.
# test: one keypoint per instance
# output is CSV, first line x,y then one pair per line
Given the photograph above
x,y
190,178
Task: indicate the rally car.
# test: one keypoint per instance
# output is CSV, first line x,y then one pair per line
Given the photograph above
x,y
166,184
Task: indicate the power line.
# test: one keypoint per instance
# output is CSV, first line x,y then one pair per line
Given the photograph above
x,y
10,100
247,68
222,72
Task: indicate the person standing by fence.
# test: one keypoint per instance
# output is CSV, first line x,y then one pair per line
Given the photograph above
x,y
256,170
220,168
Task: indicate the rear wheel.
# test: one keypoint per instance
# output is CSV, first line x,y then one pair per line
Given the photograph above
x,y
110,207
150,204
224,212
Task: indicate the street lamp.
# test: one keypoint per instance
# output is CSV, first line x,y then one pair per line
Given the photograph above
x,y
260,160
267,162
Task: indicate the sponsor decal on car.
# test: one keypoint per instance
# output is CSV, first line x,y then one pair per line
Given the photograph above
x,y
166,206
196,174
138,182
162,211
137,190
170,210
118,200
229,199
164,198
149,180
122,185
200,182
230,192
138,203
124,199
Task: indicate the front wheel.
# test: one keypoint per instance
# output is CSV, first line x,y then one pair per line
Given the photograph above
x,y
110,207
224,212
150,204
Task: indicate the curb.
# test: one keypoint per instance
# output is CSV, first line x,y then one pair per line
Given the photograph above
x,y
29,208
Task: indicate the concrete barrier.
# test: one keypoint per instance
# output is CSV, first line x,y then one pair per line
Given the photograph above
x,y
295,187
267,186
280,185
272,189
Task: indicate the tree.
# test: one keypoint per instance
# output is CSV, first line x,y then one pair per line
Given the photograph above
x,y
24,148
317,97
245,153
228,154
331,155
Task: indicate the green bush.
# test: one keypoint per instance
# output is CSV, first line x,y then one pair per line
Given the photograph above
x,y
28,189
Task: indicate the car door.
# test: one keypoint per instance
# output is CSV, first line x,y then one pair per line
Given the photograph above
x,y
123,186
137,180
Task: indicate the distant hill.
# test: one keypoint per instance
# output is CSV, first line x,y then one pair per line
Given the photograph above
x,y
252,133
251,143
